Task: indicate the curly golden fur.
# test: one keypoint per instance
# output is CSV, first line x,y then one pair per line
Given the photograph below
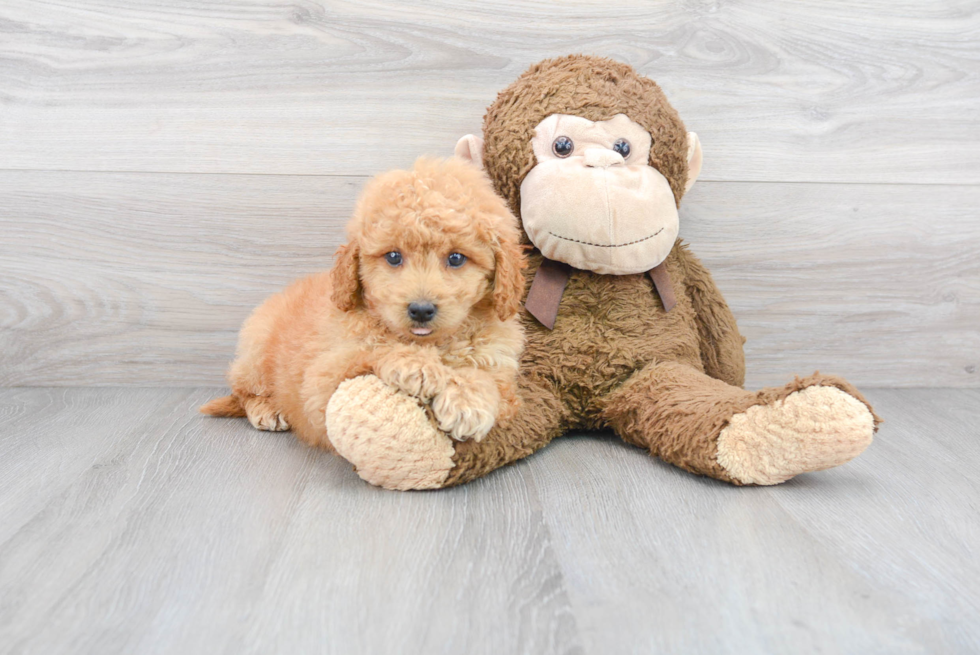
x,y
301,344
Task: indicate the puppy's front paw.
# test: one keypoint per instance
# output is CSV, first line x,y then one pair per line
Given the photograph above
x,y
467,409
416,376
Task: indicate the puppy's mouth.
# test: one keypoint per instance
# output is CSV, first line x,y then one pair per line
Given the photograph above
x,y
421,331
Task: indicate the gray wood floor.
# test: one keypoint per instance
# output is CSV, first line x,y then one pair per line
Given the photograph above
x,y
129,524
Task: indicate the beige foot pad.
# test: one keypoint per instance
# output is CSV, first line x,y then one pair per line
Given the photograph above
x,y
387,436
810,430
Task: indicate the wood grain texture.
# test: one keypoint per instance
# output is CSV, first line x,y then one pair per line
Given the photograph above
x,y
173,533
877,556
880,284
879,92
144,279
135,279
128,523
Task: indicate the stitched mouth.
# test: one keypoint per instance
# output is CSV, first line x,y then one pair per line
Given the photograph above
x,y
608,245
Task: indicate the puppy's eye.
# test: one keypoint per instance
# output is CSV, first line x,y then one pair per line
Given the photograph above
x,y
622,147
394,258
563,146
455,260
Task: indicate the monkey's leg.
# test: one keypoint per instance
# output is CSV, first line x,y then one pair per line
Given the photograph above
x,y
392,442
706,426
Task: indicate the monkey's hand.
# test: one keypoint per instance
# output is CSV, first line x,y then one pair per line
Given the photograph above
x,y
388,436
467,407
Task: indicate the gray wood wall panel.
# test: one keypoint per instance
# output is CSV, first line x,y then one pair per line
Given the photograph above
x,y
145,278
166,165
779,91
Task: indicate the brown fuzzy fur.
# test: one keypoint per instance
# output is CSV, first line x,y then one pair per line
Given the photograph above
x,y
668,382
590,87
302,343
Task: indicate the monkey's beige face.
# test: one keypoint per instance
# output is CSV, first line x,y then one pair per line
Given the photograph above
x,y
593,201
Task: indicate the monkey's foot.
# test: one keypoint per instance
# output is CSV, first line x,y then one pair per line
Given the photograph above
x,y
387,436
810,430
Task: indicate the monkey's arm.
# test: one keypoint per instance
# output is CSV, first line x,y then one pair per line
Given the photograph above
x,y
720,341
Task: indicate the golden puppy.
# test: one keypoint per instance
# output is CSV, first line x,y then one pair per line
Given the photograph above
x,y
424,295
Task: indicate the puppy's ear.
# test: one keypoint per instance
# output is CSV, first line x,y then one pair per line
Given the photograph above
x,y
345,277
508,280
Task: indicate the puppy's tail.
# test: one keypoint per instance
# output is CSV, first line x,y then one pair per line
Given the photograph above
x,y
229,406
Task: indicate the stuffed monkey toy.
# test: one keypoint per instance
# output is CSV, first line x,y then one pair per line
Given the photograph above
x,y
625,328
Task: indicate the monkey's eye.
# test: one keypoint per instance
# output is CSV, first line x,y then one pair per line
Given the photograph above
x,y
563,146
394,258
622,147
455,260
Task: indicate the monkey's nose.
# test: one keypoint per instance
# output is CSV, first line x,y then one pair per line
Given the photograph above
x,y
422,312
602,158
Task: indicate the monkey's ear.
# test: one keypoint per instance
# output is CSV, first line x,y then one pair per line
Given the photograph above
x,y
694,160
470,148
345,277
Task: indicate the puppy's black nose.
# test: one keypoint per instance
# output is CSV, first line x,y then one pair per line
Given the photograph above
x,y
421,312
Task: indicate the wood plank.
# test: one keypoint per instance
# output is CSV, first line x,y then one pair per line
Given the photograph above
x,y
877,283
201,535
144,279
879,555
791,91
49,438
137,279
129,543
466,570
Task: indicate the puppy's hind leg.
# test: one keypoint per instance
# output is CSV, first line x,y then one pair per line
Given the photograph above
x,y
263,415
260,412
248,374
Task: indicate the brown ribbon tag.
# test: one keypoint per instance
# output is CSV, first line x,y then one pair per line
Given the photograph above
x,y
548,285
546,290
661,280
